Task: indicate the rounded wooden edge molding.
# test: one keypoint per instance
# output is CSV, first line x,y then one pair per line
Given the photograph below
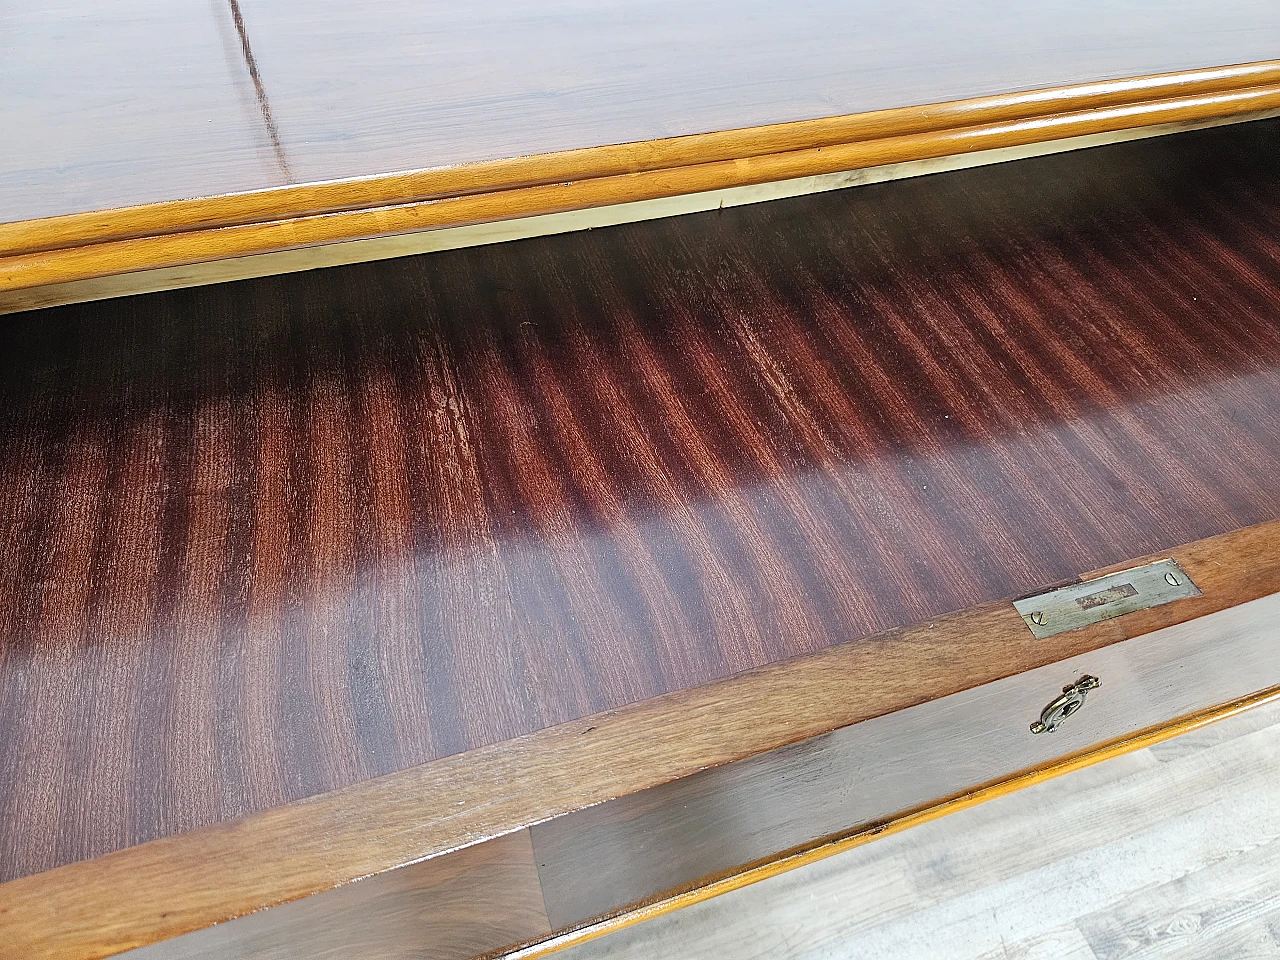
x,y
179,232
831,846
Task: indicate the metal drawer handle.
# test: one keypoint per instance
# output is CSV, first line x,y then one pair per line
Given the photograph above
x,y
1072,699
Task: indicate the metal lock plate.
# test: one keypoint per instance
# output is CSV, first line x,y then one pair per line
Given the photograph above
x,y
1092,601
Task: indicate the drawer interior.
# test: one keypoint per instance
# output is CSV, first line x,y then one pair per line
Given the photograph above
x,y
271,538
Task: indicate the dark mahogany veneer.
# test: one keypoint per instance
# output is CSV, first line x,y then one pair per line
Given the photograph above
x,y
281,536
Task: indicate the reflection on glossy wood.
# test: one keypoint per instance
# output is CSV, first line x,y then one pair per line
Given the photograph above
x,y
290,534
450,909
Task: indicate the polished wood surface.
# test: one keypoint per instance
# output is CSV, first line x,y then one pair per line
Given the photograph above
x,y
422,815
282,536
292,124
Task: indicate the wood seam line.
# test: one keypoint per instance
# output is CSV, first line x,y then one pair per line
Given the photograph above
x,y
830,846
96,908
108,242
259,89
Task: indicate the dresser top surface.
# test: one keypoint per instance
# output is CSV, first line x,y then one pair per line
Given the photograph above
x,y
130,102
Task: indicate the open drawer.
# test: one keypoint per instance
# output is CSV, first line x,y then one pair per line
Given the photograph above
x,y
446,605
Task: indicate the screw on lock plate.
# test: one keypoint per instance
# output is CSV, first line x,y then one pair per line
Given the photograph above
x,y
1072,699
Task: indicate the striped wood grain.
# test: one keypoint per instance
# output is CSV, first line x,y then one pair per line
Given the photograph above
x,y
285,536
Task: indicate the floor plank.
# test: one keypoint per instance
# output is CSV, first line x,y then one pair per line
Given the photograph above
x,y
1170,852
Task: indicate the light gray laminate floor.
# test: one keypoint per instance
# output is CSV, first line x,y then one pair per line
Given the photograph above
x,y
1173,851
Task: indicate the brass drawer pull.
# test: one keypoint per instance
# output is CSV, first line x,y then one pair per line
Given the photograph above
x,y
1072,699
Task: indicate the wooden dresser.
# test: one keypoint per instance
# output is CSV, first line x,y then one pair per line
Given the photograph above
x,y
472,478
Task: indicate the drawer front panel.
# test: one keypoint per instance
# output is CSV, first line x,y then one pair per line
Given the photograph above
x,y
599,860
